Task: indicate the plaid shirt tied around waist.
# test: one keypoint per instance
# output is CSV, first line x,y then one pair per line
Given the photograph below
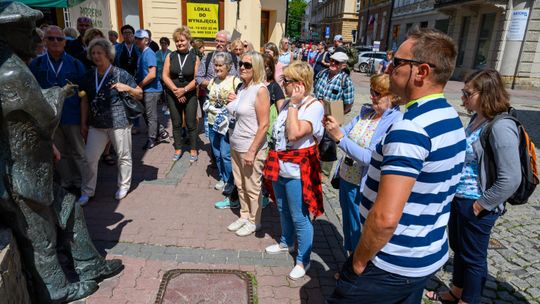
x,y
310,168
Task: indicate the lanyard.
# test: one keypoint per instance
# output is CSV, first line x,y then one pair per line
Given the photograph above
x,y
100,84
181,63
129,49
163,56
56,72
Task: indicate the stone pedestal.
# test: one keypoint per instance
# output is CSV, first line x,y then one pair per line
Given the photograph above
x,y
13,287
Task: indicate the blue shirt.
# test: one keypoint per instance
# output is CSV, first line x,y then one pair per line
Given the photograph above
x,y
147,60
429,146
72,70
469,184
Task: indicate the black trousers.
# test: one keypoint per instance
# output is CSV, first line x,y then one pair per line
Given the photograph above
x,y
189,109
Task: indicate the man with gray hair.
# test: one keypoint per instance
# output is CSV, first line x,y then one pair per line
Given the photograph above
x,y
57,68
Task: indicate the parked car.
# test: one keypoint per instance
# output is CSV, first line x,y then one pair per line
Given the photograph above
x,y
369,61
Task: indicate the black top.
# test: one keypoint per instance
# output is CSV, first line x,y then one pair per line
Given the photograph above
x,y
76,49
181,79
276,93
153,46
129,63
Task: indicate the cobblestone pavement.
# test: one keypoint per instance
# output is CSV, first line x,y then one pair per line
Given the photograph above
x,y
168,221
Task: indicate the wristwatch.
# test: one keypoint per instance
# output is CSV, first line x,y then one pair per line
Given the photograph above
x,y
294,106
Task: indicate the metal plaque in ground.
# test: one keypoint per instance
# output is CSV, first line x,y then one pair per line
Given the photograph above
x,y
206,286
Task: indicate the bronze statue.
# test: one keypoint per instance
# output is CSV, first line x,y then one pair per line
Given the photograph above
x,y
39,212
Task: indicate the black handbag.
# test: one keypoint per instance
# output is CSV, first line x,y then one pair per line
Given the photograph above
x,y
134,108
327,149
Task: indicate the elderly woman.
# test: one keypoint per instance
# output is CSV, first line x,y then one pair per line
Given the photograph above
x,y
219,89
104,118
490,175
179,77
293,165
285,55
249,110
358,139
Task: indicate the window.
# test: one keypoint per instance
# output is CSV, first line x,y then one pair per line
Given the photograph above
x,y
465,25
484,40
358,5
442,25
383,25
424,24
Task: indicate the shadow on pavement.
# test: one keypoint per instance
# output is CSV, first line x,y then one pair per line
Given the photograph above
x,y
531,120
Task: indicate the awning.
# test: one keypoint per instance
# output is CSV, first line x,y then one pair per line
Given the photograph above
x,y
51,3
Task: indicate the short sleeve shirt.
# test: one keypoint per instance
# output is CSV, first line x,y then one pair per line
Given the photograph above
x,y
146,60
106,108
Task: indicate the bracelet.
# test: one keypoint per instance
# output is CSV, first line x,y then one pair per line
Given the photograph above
x,y
294,106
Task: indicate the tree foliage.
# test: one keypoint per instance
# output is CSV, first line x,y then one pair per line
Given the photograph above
x,y
296,13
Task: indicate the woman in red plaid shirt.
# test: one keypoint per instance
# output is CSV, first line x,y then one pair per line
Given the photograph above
x,y
293,165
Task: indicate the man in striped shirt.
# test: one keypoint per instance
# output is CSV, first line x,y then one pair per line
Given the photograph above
x,y
411,181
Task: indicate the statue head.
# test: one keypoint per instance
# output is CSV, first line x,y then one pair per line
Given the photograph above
x,y
18,28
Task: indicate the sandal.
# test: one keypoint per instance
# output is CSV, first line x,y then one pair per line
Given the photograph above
x,y
108,159
438,296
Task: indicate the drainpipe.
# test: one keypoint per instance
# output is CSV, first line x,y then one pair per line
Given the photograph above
x,y
286,17
389,25
522,46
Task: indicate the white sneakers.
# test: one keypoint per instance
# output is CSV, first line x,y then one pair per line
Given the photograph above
x,y
276,248
121,193
220,185
243,227
298,272
237,224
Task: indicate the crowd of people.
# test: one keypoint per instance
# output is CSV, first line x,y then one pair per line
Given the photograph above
x,y
405,177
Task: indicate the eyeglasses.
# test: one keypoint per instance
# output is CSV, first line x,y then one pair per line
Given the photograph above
x,y
287,81
127,33
246,65
333,61
374,93
466,94
399,61
59,39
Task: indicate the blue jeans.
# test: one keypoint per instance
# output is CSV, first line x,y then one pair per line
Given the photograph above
x,y
221,148
294,216
469,239
349,199
375,285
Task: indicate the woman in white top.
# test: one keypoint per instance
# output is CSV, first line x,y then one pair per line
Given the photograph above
x,y
249,120
293,165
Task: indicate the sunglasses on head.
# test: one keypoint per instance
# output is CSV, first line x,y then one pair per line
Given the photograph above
x,y
246,65
396,61
59,39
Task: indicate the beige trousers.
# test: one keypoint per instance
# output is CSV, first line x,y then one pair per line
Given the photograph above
x,y
248,180
69,141
95,144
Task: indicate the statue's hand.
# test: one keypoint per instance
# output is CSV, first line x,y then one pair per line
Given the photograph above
x,y
69,89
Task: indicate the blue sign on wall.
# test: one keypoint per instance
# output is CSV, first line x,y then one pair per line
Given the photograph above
x,y
327,32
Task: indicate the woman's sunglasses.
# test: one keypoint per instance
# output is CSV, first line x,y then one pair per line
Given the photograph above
x,y
466,94
374,93
246,65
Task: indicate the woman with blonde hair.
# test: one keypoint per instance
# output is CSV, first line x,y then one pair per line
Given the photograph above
x,y
293,165
249,120
178,75
358,139
285,54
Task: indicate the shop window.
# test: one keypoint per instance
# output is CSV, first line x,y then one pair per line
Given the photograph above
x,y
463,35
484,40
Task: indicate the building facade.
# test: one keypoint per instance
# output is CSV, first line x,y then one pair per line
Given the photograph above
x,y
502,35
332,17
257,21
374,22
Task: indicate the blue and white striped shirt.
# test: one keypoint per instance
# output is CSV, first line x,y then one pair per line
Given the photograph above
x,y
429,145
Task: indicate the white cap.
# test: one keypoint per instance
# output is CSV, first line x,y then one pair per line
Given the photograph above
x,y
141,34
338,37
340,57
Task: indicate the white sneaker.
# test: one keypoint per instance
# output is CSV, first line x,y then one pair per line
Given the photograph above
x,y
298,272
219,185
83,200
247,229
237,224
120,194
276,248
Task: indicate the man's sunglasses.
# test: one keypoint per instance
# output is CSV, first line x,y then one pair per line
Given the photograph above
x,y
399,61
59,39
246,65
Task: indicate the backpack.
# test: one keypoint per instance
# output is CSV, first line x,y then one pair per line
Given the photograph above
x,y
352,53
527,156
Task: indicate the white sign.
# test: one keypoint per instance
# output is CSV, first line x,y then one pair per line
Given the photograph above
x,y
376,45
97,10
518,23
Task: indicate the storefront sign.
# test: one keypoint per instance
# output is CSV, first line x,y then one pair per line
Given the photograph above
x,y
203,19
518,23
97,10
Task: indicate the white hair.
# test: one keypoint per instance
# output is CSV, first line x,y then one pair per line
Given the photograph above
x,y
226,34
